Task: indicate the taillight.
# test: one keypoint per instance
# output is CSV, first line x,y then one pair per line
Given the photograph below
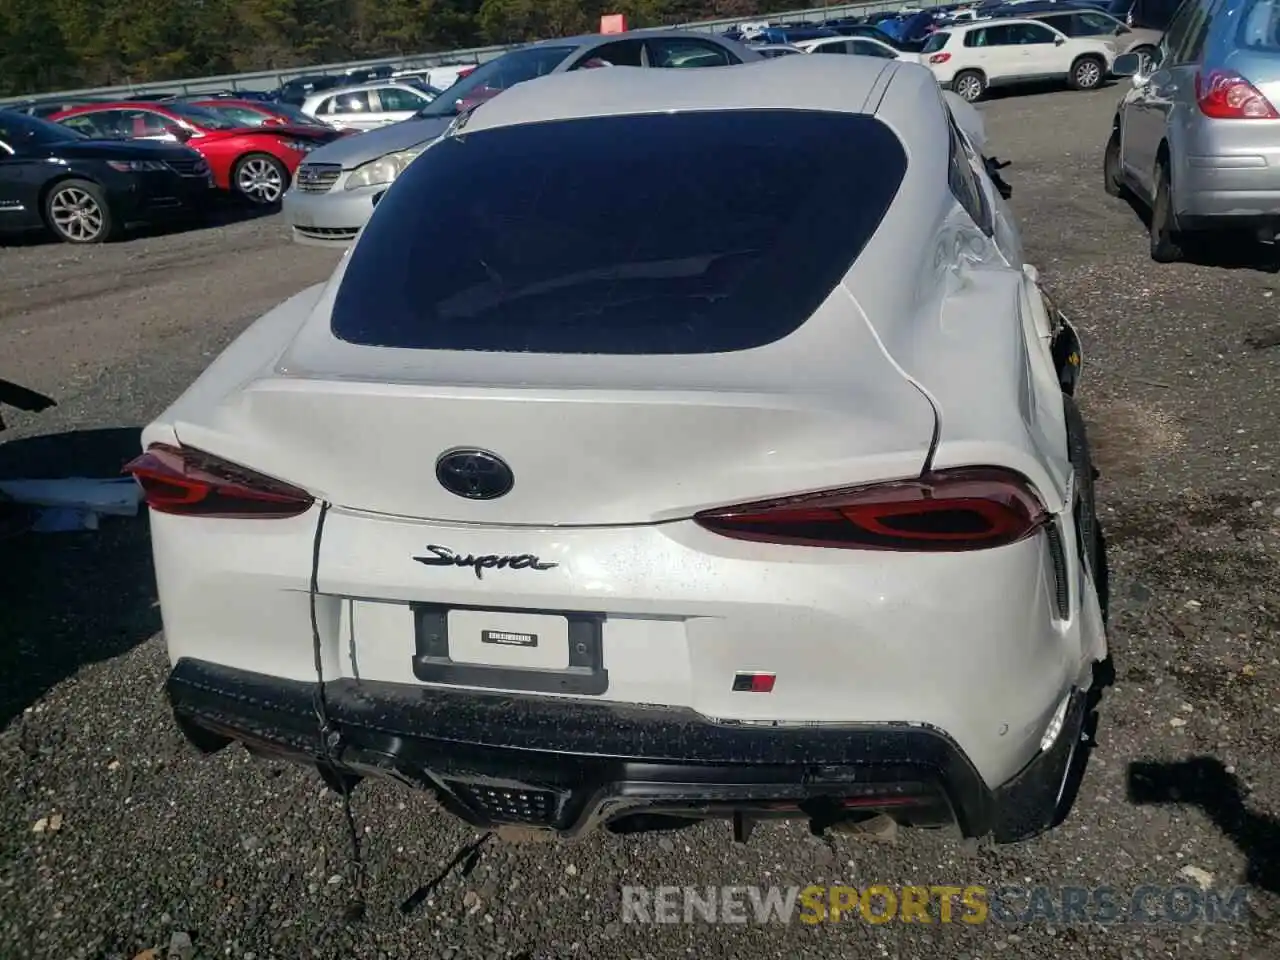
x,y
464,72
187,482
971,508
1225,95
940,58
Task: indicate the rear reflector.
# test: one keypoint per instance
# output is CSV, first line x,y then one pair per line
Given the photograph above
x,y
753,682
187,482
971,508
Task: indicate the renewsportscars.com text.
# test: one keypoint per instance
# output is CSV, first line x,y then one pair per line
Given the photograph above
x,y
971,905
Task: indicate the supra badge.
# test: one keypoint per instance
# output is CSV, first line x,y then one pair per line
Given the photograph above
x,y
444,557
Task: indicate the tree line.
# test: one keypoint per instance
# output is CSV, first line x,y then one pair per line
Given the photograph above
x,y
48,45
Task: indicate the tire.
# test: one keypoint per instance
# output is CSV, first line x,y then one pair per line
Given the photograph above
x,y
1166,243
1112,178
260,179
969,85
1087,73
76,211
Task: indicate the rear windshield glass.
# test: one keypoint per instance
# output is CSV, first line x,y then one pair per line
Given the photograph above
x,y
1260,25
698,232
936,42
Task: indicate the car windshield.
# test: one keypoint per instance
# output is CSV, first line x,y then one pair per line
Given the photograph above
x,y
497,75
19,130
202,117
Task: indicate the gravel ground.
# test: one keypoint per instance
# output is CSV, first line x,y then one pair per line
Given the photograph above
x,y
147,846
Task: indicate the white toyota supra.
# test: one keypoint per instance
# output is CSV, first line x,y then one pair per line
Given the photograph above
x,y
669,444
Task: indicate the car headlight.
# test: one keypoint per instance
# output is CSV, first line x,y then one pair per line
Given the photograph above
x,y
136,166
383,170
298,145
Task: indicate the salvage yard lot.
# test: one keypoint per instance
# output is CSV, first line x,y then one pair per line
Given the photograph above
x,y
155,845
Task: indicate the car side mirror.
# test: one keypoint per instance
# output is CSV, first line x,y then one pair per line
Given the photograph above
x,y
1059,41
181,134
1128,65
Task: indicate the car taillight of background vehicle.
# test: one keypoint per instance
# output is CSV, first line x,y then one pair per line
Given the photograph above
x,y
465,72
1225,95
940,58
972,508
187,482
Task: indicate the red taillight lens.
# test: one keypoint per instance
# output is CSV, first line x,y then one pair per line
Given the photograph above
x,y
940,58
464,72
1225,95
952,510
190,483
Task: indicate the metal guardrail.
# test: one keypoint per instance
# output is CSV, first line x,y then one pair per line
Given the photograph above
x,y
273,79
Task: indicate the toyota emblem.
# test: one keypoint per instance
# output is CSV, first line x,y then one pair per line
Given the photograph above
x,y
474,474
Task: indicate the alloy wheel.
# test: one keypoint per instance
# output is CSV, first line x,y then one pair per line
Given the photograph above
x,y
259,179
1088,75
969,88
76,215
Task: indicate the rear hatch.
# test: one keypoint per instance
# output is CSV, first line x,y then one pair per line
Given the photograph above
x,y
632,354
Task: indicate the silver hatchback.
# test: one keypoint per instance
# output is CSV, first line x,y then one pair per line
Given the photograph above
x,y
1197,138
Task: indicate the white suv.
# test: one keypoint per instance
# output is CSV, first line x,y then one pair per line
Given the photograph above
x,y
969,58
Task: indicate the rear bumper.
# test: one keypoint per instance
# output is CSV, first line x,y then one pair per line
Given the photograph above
x,y
1243,189
570,765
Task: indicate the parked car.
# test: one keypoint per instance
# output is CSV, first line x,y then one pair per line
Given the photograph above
x,y
873,31
46,107
859,46
91,191
370,106
255,163
1145,14
297,90
338,186
772,50
1198,137
970,58
817,471
251,113
1093,23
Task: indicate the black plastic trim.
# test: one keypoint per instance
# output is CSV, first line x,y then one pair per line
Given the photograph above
x,y
602,759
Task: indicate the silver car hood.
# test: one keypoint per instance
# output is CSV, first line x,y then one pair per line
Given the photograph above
x,y
363,147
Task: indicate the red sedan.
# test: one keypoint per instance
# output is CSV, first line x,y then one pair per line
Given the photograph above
x,y
256,163
255,113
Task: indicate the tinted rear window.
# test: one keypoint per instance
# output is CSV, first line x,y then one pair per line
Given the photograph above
x,y
936,42
698,232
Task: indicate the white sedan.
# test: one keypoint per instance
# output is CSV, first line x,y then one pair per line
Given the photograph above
x,y
858,46
583,490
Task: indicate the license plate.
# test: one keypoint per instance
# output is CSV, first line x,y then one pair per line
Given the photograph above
x,y
522,640
539,651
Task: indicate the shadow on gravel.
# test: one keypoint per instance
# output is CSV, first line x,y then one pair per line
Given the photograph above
x,y
70,599
1230,251
1205,783
222,212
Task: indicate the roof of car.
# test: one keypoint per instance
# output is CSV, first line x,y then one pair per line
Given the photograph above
x,y
989,22
656,32
837,84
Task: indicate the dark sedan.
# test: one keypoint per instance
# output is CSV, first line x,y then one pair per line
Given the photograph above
x,y
90,191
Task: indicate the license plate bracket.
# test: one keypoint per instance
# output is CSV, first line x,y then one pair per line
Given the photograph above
x,y
585,674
